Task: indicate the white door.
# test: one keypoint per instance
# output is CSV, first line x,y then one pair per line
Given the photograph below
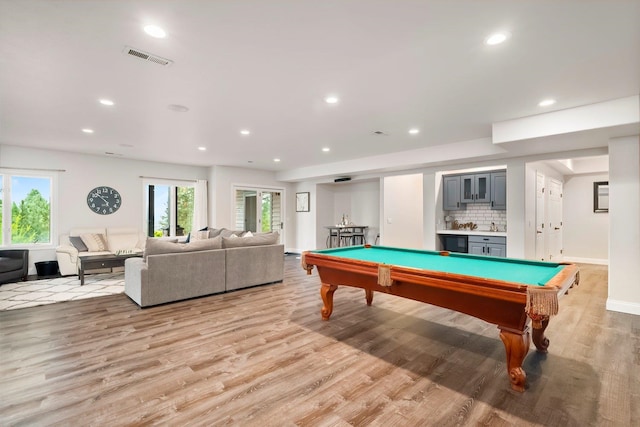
x,y
540,219
554,211
259,210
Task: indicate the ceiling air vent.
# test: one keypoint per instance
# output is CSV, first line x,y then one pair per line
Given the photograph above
x,y
147,56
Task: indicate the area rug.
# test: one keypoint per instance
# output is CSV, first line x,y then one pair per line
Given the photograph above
x,y
47,291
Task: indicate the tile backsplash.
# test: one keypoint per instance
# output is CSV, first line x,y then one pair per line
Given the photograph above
x,y
479,213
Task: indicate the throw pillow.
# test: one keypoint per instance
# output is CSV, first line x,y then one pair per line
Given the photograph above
x,y
77,243
255,240
227,233
199,235
248,234
94,242
159,246
215,232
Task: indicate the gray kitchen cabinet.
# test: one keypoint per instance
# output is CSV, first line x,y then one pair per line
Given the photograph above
x,y
451,193
499,190
475,188
488,245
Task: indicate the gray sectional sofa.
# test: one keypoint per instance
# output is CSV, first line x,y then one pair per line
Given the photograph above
x,y
171,271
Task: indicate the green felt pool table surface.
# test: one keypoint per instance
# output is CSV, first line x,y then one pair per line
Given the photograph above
x,y
507,269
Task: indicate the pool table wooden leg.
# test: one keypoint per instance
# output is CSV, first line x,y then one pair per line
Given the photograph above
x,y
326,292
516,345
369,296
541,342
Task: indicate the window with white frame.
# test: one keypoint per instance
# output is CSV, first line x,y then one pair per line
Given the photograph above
x,y
26,207
169,208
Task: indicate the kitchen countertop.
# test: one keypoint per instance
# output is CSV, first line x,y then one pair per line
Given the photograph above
x,y
473,233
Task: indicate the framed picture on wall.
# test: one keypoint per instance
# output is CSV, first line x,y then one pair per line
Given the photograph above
x,y
302,202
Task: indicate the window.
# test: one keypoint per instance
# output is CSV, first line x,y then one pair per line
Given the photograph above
x,y
169,209
25,208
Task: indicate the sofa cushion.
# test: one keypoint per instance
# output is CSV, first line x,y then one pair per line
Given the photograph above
x,y
158,246
120,241
77,243
94,242
257,239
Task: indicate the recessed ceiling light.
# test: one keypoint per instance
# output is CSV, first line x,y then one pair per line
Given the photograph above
x,y
496,38
326,149
245,132
178,108
202,148
155,31
106,102
414,131
546,102
331,99
87,130
276,160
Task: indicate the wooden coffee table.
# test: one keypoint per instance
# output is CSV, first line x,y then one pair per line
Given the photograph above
x,y
102,261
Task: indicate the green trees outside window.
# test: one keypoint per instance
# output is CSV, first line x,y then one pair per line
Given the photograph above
x,y
30,209
170,210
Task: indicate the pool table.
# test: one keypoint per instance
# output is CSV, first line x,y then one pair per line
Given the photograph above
x,y
510,293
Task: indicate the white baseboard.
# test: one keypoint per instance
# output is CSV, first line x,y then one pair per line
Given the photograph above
x,y
586,260
623,306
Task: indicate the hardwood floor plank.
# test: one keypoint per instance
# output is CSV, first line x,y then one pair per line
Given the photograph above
x,y
262,357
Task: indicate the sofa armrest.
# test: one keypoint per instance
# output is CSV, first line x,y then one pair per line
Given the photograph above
x,y
135,274
67,257
15,254
72,251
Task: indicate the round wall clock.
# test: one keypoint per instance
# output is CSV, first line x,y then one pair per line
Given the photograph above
x,y
104,200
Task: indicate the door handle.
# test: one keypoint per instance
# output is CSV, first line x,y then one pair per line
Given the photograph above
x,y
538,232
556,228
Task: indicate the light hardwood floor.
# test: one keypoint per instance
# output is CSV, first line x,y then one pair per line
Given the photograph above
x,y
262,357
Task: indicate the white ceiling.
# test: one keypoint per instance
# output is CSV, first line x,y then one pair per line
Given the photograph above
x,y
267,66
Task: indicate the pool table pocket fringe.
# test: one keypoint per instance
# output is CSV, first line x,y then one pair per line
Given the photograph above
x,y
384,275
541,303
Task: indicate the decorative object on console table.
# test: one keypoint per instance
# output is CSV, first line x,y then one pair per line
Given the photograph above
x,y
302,202
104,200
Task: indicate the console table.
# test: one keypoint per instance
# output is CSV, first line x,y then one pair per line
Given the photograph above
x,y
102,261
341,232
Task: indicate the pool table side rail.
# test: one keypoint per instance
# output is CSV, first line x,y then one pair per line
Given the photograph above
x,y
442,289
560,282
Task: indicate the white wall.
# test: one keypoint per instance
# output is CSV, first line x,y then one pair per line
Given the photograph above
x,y
432,203
585,233
84,172
402,221
360,201
624,225
517,224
